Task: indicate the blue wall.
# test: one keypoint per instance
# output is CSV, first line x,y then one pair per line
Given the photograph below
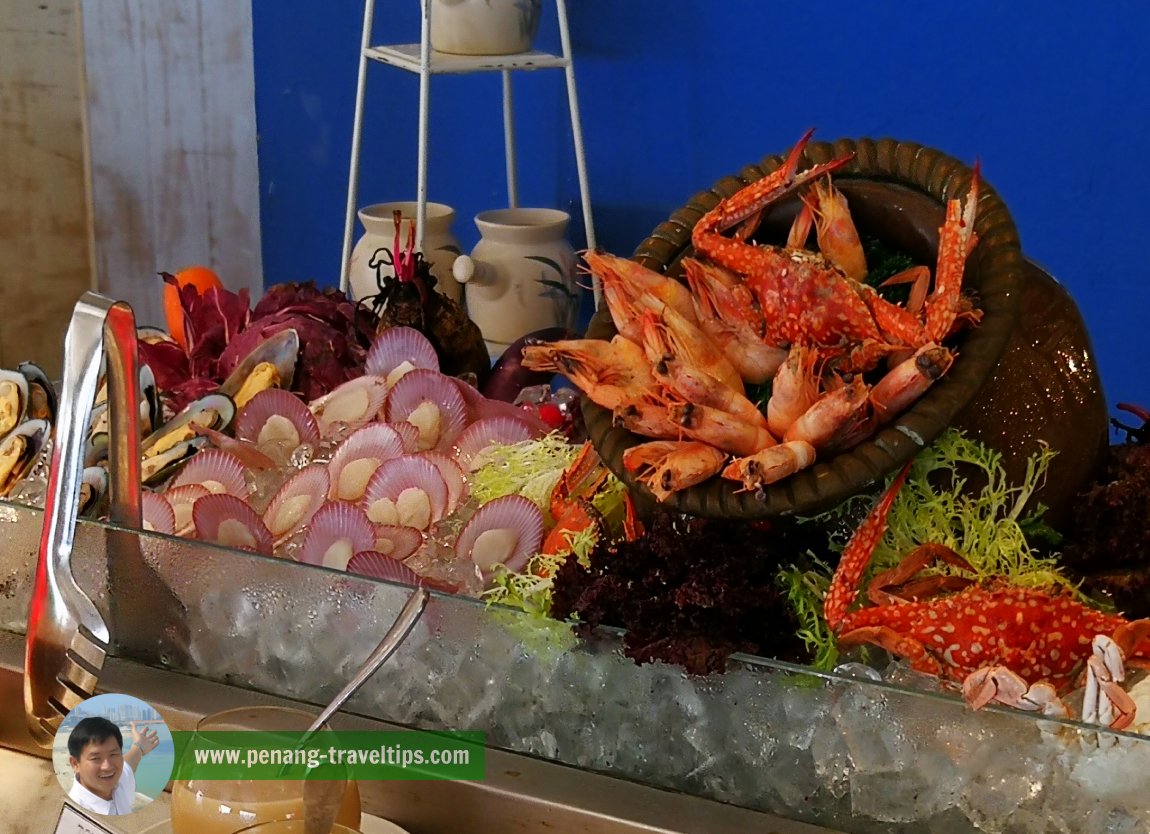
x,y
1052,98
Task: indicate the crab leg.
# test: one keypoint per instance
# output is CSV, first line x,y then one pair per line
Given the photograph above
x,y
1105,701
845,584
999,684
956,240
751,200
912,563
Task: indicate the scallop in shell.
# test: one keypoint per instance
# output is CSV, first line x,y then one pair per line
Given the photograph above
x,y
337,532
490,431
297,501
409,434
397,542
276,417
229,522
353,403
452,477
398,350
157,515
407,492
183,501
359,456
217,472
505,531
380,566
432,403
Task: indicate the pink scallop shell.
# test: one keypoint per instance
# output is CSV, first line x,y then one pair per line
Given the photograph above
x,y
183,501
354,403
378,566
409,434
271,403
215,470
408,472
511,512
452,476
157,513
397,542
212,512
398,345
311,482
375,441
488,432
336,523
423,386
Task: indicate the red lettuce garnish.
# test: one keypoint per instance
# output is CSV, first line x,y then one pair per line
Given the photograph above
x,y
222,330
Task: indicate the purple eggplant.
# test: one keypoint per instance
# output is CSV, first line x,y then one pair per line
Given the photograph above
x,y
509,377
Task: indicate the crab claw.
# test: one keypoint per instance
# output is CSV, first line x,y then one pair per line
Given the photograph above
x,y
998,684
1105,701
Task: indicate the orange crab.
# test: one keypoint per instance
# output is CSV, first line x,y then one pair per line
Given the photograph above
x,y
806,297
1016,646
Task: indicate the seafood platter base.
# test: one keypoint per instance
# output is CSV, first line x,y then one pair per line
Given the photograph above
x,y
897,192
844,750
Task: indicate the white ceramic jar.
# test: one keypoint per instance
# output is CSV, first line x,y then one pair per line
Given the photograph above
x,y
484,27
440,247
521,275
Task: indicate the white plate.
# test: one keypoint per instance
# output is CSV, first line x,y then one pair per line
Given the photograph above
x,y
368,825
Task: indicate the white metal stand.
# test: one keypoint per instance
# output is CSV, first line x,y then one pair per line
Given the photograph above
x,y
420,58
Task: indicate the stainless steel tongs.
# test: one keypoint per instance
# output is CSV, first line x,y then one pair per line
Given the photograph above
x,y
67,637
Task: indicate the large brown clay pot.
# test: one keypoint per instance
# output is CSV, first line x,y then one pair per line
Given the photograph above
x,y
896,192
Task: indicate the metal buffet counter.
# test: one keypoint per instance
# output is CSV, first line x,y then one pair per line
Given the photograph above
x,y
581,738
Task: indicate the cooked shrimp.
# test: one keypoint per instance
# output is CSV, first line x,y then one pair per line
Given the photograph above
x,y
827,417
696,386
666,466
838,238
771,464
610,373
729,313
669,335
718,428
794,390
631,279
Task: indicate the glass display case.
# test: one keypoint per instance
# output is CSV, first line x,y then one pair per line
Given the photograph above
x,y
849,752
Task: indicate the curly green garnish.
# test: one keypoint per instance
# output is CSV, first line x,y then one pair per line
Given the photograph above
x,y
530,468
531,589
990,527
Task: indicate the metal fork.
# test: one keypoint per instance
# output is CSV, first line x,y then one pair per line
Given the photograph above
x,y
67,637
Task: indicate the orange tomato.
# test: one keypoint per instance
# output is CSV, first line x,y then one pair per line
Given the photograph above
x,y
200,277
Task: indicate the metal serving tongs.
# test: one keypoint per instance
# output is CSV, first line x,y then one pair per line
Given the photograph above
x,y
67,637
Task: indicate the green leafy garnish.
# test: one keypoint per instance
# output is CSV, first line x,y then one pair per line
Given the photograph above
x,y
530,468
990,527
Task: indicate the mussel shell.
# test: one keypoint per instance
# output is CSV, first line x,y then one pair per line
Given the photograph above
x,y
13,401
224,410
18,451
156,469
93,488
281,350
153,335
42,402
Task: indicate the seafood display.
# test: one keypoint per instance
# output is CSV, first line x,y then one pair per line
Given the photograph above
x,y
841,360
371,477
1015,646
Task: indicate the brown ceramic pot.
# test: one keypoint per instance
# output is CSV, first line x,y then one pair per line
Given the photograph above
x,y
896,191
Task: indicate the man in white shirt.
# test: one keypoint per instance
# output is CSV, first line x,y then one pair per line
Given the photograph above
x,y
105,775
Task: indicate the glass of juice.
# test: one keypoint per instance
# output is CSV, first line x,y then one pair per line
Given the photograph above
x,y
214,806
293,827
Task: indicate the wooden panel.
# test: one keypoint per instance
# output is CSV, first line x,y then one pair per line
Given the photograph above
x,y
171,126
44,254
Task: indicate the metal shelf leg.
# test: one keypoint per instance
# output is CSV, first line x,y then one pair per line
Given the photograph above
x,y
356,135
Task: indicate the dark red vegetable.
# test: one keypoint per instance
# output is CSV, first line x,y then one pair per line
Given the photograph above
x,y
509,377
